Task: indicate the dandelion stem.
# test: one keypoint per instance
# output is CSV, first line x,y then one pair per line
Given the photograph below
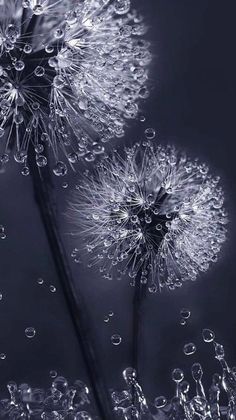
x,y
43,189
139,295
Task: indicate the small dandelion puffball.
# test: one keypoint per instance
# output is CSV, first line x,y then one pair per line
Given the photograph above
x,y
71,73
153,213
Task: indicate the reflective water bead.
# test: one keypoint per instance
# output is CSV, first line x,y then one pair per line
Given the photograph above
x,y
189,349
39,71
116,339
41,160
177,375
150,133
208,335
30,332
19,65
40,280
60,169
106,318
52,288
160,402
122,6
53,373
185,313
3,356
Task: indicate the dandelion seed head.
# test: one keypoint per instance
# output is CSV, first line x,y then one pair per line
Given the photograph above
x,y
152,213
71,74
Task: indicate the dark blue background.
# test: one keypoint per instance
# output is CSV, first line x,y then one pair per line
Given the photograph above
x,y
192,105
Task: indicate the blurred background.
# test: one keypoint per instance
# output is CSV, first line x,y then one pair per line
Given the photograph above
x,y
191,105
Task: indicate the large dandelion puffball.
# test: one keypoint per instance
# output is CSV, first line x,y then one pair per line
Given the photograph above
x,y
152,212
71,73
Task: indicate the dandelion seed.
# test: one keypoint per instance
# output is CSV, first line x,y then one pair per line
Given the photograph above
x,y
153,213
71,73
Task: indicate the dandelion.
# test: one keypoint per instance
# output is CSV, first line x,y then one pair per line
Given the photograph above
x,y
152,212
71,73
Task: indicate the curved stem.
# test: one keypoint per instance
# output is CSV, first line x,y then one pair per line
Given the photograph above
x,y
44,196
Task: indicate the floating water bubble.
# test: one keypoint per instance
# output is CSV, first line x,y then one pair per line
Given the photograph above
x,y
150,133
53,373
116,339
185,313
30,332
208,335
40,280
106,318
189,349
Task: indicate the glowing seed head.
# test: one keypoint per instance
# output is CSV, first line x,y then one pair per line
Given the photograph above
x,y
84,63
153,213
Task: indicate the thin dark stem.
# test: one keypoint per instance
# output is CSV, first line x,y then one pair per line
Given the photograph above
x,y
44,196
139,294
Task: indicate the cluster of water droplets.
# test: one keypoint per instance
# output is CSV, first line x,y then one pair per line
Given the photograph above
x,y
71,73
152,212
61,401
187,403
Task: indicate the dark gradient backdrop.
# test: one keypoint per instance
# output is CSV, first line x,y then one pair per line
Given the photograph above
x,y
192,105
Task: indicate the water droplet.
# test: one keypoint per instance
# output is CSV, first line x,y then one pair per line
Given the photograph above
x,y
110,313
189,349
60,169
116,339
53,373
52,288
19,65
208,335
39,71
177,375
142,118
150,133
160,402
3,356
106,318
185,313
1,296
122,6
40,280
30,332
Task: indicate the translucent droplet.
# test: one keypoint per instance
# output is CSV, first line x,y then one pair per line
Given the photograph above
x,y
189,349
39,71
177,375
40,280
3,356
160,402
41,161
111,313
27,49
122,6
208,335
1,296
116,339
60,169
19,65
52,288
142,118
53,373
150,133
30,332
185,313
106,318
